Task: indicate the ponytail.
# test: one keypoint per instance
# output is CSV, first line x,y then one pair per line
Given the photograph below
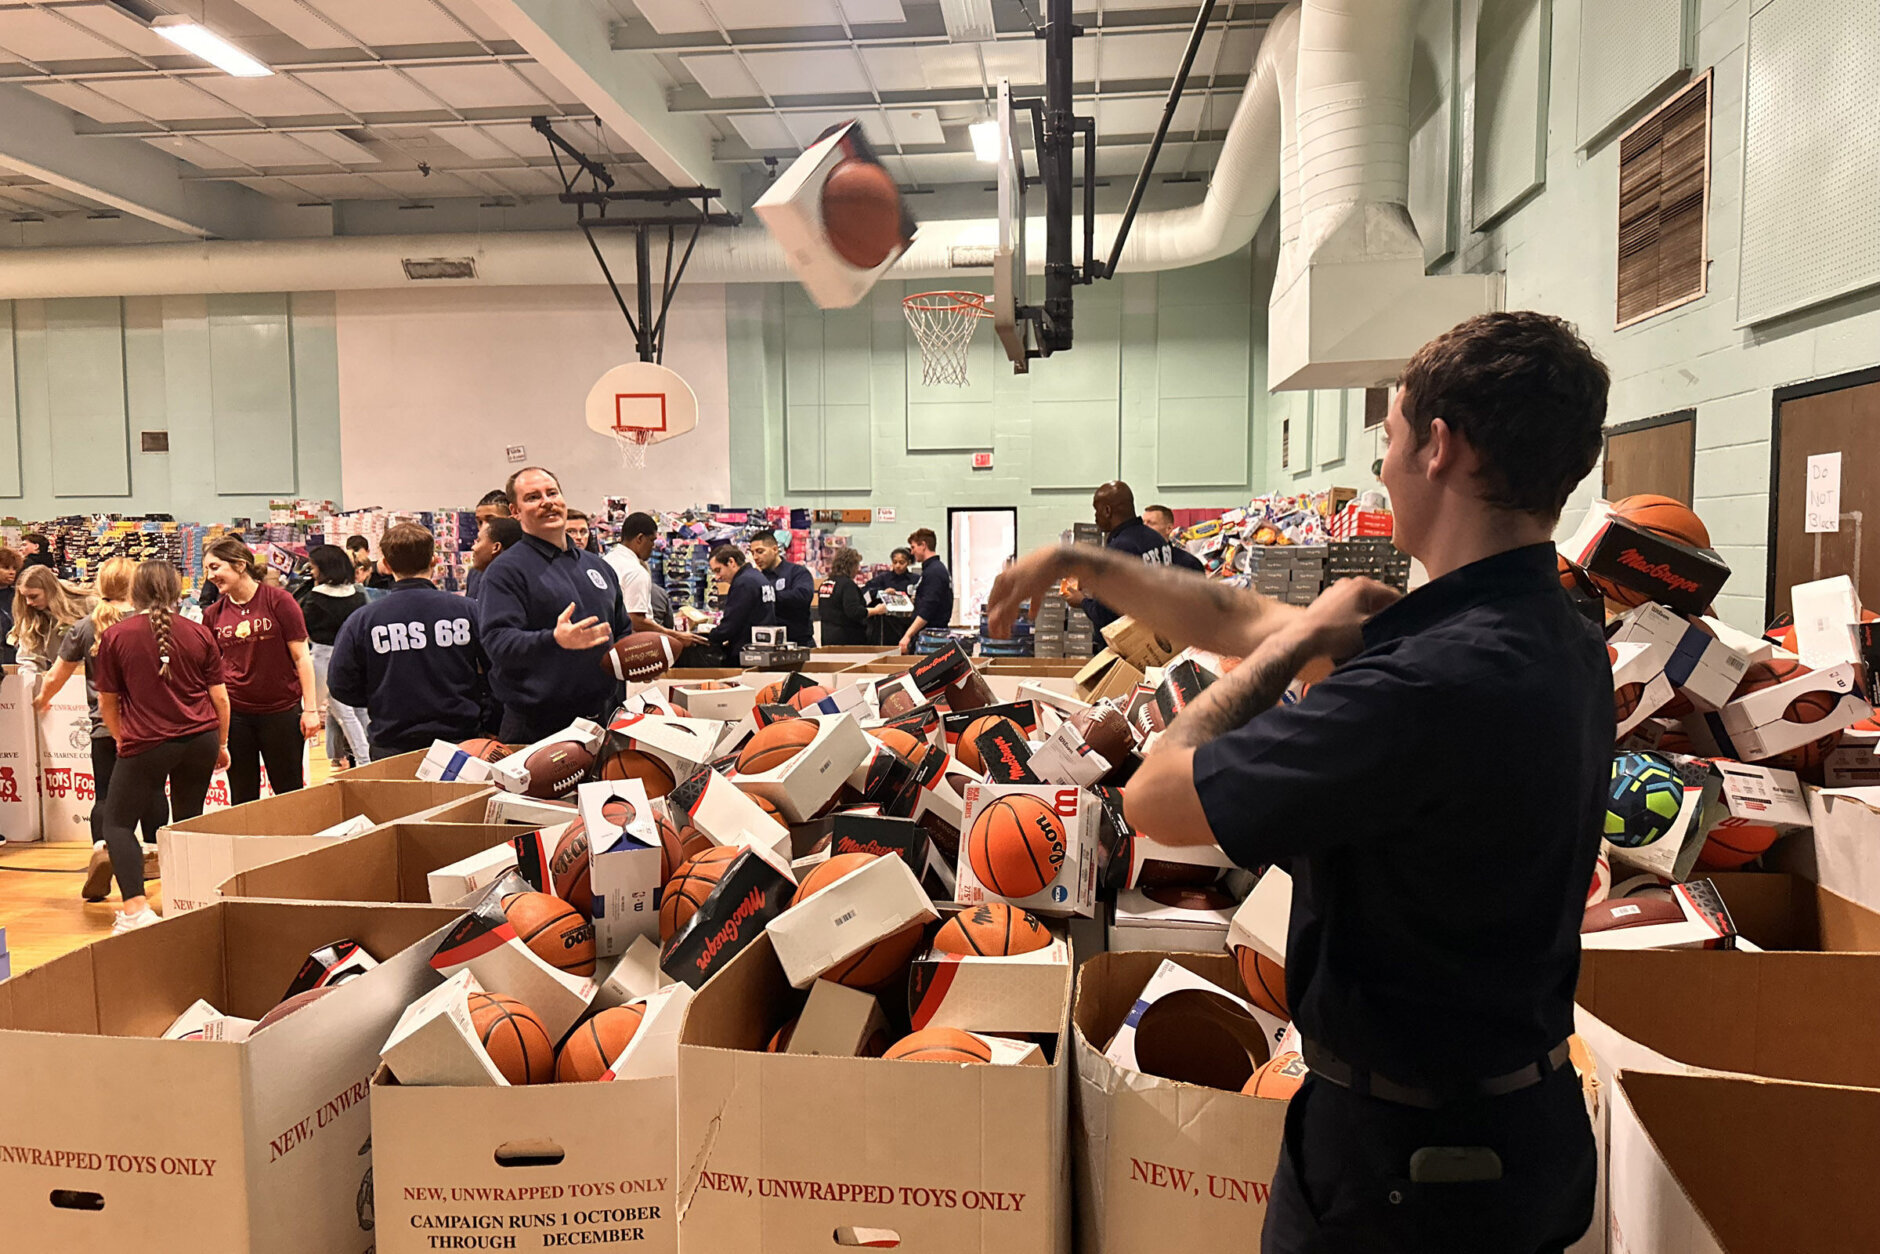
x,y
114,590
159,617
156,590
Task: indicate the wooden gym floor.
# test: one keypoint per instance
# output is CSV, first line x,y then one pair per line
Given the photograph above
x,y
39,903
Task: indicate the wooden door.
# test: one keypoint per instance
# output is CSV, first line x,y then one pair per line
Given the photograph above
x,y
1654,456
1832,415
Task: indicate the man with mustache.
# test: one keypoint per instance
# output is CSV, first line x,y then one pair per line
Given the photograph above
x,y
546,612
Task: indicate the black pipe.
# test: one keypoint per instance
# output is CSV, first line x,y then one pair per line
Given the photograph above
x,y
1054,169
643,259
1161,133
1090,272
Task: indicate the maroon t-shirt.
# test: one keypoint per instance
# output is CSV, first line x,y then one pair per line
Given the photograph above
x,y
153,708
253,639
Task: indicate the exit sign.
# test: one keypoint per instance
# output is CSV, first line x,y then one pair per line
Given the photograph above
x,y
982,461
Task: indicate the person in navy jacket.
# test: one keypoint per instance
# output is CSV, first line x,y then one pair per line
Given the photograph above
x,y
1115,508
750,602
933,595
1161,520
411,659
793,587
546,611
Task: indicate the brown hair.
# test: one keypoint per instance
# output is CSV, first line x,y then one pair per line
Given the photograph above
x,y
844,564
1527,394
575,513
729,554
408,549
924,536
10,559
114,590
38,632
509,484
155,590
229,550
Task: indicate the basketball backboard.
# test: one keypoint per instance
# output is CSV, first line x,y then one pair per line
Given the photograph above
x,y
1008,258
641,403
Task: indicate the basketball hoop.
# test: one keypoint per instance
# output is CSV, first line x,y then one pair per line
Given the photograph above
x,y
638,405
633,442
943,322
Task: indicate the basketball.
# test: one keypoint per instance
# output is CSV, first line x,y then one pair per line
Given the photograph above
x,y
1731,846
879,961
555,769
1808,761
1205,897
967,748
569,868
1811,707
1625,701
939,1045
768,807
808,697
770,694
669,845
861,209
1016,846
1767,674
772,746
690,885
1278,1078
1157,873
907,746
828,872
1665,517
594,1046
1265,980
991,929
299,1001
780,1039
618,811
554,931
485,748
513,1037
652,772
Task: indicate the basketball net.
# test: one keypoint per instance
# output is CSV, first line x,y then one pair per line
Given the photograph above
x,y
943,322
633,442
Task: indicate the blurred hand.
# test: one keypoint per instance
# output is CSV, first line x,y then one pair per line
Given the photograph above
x,y
221,758
589,633
1017,586
1334,623
310,725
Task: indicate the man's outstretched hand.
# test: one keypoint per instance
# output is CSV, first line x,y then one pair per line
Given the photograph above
x,y
1018,585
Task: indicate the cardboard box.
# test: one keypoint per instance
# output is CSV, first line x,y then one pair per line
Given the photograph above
x,y
504,807
396,863
435,1041
1162,1165
1685,578
1640,664
257,1147
839,1022
877,900
724,704
459,881
805,783
1107,675
445,761
1826,613
1853,765
398,766
197,855
203,1022
755,888
681,743
623,864
1264,919
1754,726
1706,923
1842,851
1156,919
1776,910
1716,793
1019,993
858,832
1073,890
484,943
1702,667
1176,1011
723,812
1145,849
769,1170
1136,644
511,774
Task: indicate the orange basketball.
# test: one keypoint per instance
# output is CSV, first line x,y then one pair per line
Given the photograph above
x,y
653,773
1728,847
513,1037
772,746
769,807
1785,640
708,685
770,694
554,931
809,696
828,872
909,747
1811,707
879,962
861,210
967,751
1665,517
1016,846
991,929
569,868
595,1045
780,1039
1809,761
485,748
939,1045
690,885
1278,1078
1625,701
1265,980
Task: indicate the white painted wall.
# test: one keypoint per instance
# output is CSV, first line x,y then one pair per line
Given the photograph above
x,y
435,385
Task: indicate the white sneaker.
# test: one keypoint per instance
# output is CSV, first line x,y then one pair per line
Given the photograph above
x,y
128,922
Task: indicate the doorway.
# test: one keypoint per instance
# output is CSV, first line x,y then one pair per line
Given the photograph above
x,y
1654,455
979,544
1836,415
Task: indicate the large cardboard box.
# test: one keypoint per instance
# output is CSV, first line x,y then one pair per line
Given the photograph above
x,y
398,766
1774,910
388,864
197,855
545,1165
115,1140
788,1154
1842,851
1162,1165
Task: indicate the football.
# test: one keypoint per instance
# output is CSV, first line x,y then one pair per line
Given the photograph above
x,y
640,657
1106,731
1644,800
556,768
1614,915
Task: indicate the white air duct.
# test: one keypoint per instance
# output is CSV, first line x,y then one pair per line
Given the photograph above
x,y
1351,302
1245,181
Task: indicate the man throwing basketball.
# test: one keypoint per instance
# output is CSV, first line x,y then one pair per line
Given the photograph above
x,y
1434,942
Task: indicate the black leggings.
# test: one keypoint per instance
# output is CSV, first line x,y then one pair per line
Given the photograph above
x,y
257,738
103,761
137,784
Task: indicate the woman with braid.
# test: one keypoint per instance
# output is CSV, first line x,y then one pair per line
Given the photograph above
x,y
162,694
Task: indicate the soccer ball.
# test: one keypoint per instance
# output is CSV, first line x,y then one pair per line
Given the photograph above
x,y
1644,801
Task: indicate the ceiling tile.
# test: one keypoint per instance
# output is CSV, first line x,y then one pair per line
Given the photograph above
x,y
278,96
547,84
38,35
263,150
1021,60
298,23
674,17
765,132
82,99
488,85
721,74
339,186
369,91
901,67
381,24
167,99
1140,115
337,147
807,73
670,17
193,151
915,126
115,25
472,143
906,126
473,16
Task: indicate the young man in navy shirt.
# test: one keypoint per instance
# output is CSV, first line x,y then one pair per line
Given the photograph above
x,y
933,595
792,585
411,659
1161,520
750,601
547,611
1434,944
1123,531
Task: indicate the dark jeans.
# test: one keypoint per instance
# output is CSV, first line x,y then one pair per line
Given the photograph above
x,y
524,726
705,657
257,738
1343,1182
103,765
137,784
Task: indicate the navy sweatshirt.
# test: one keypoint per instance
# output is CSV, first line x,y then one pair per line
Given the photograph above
x,y
520,597
794,589
412,661
1138,538
750,602
933,595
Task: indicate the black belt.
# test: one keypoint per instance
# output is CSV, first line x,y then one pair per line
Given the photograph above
x,y
1329,1066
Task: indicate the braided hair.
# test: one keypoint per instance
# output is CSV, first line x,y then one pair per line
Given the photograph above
x,y
156,590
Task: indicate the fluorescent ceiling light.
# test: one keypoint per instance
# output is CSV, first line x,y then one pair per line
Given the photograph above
x,y
193,37
985,139
968,21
